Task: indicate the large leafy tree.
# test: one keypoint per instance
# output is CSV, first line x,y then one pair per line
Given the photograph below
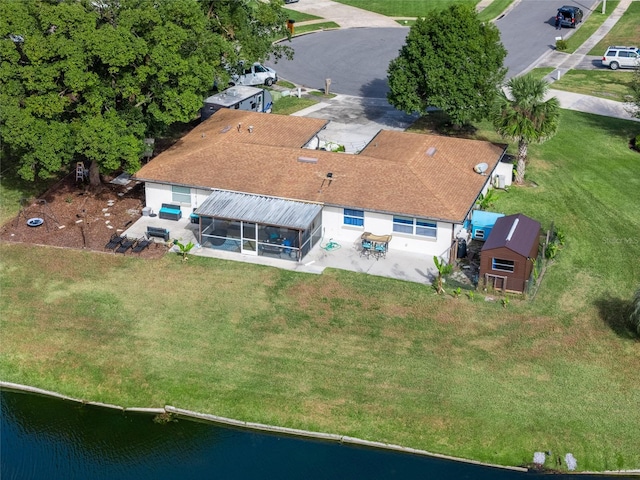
x,y
88,80
451,61
525,116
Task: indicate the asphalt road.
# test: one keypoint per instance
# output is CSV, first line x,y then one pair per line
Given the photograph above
x,y
356,59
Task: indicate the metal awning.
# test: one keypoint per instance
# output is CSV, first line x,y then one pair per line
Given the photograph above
x,y
259,209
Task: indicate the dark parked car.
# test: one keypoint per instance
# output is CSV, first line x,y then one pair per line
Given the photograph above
x,y
569,16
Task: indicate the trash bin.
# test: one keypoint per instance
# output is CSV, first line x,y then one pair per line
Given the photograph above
x,y
462,248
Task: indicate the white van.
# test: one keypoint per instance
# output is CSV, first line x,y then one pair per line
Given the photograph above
x,y
240,98
255,74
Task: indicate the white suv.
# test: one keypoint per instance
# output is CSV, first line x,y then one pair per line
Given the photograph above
x,y
616,57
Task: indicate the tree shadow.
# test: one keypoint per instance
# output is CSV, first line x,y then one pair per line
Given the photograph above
x,y
614,312
376,88
376,107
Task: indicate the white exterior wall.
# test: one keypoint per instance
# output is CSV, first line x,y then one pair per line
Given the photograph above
x,y
382,224
332,224
505,169
158,193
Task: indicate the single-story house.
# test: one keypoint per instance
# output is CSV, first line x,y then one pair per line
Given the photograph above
x,y
508,254
258,187
482,223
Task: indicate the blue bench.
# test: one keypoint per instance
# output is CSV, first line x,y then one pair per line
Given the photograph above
x,y
158,232
170,212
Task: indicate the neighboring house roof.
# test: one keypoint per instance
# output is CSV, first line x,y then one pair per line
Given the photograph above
x,y
517,232
481,218
404,173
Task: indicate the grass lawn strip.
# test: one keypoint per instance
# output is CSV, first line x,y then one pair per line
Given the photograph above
x,y
589,26
625,32
405,8
379,359
597,83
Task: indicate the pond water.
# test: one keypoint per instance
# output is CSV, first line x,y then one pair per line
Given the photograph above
x,y
49,438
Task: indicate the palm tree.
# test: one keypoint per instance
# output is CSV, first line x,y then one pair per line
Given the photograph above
x,y
526,117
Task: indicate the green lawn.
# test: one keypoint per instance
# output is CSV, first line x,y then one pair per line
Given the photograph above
x,y
312,27
366,356
291,104
598,83
404,8
494,10
625,32
590,25
13,190
299,16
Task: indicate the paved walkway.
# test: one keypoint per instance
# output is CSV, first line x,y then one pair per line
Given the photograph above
x,y
343,15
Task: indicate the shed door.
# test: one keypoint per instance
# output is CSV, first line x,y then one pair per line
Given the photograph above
x,y
496,282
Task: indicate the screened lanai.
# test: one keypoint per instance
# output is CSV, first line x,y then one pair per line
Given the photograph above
x,y
259,225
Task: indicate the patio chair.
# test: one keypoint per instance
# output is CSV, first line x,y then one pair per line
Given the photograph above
x,y
380,250
141,244
114,242
125,245
366,248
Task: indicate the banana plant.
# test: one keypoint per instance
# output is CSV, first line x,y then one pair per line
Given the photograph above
x,y
184,249
443,270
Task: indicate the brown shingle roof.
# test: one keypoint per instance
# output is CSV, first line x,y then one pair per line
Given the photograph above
x,y
392,174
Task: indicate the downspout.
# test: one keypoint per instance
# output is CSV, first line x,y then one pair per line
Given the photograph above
x,y
453,226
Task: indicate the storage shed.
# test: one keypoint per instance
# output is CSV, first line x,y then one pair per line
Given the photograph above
x,y
506,259
482,223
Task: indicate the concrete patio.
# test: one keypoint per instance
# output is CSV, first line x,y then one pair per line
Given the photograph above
x,y
400,265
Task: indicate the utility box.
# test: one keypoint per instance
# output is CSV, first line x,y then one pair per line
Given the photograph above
x,y
239,97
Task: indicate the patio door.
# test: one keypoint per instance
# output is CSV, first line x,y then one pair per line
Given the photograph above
x,y
249,237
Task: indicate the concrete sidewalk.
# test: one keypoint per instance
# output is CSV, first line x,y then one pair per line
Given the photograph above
x,y
343,15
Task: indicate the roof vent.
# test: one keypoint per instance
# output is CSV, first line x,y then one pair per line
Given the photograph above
x,y
431,151
226,129
307,160
513,229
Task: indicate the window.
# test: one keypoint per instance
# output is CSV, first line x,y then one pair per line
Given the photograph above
x,y
415,226
181,195
426,229
504,265
354,217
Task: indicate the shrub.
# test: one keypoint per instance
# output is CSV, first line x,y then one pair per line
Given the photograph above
x,y
561,45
